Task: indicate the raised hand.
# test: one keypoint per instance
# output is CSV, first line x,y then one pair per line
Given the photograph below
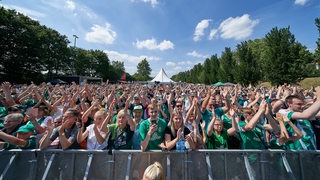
x,y
50,125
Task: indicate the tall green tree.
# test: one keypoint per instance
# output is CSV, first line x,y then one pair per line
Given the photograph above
x,y
226,66
246,71
317,51
101,63
285,59
27,49
143,71
117,70
195,73
206,75
215,68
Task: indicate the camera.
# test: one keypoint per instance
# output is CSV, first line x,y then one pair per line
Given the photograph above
x,y
154,121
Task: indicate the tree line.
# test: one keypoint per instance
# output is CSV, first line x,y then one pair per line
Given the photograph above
x,y
277,58
33,52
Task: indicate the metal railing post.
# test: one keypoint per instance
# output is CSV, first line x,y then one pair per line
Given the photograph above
x,y
88,167
168,167
128,166
248,167
210,176
48,166
8,166
287,166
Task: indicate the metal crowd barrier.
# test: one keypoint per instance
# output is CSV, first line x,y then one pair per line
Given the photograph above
x,y
130,165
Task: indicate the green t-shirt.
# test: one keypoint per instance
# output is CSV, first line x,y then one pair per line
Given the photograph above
x,y
165,109
114,118
206,116
157,137
120,139
274,144
308,141
227,122
218,141
250,139
3,111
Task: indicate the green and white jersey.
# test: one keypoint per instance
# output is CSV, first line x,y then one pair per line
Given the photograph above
x,y
206,116
227,122
157,137
250,139
216,141
308,140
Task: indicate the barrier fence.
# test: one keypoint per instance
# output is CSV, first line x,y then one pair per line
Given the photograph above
x,y
127,165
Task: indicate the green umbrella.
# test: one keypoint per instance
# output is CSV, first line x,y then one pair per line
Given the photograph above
x,y
218,84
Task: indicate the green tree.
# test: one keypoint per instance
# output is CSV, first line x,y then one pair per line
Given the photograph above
x,y
117,70
194,76
101,63
215,68
246,71
226,66
317,50
143,71
27,49
206,76
285,59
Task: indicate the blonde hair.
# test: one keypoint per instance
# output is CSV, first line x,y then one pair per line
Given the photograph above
x,y
247,110
175,113
153,107
154,172
120,113
102,112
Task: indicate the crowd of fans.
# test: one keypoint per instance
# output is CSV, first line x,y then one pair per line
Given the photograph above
x,y
158,117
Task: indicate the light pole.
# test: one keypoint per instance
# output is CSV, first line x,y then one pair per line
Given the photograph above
x,y
75,55
75,40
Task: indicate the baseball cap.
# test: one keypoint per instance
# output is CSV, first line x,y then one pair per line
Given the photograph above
x,y
138,107
26,128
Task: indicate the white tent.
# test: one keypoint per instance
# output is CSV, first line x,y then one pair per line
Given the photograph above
x,y
162,77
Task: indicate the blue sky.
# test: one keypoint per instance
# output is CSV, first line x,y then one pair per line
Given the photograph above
x,y
170,34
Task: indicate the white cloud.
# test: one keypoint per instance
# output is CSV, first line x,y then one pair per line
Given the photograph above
x,y
170,64
153,2
79,10
213,33
130,61
300,2
152,44
70,5
199,31
238,27
116,56
197,55
177,68
185,62
101,34
27,12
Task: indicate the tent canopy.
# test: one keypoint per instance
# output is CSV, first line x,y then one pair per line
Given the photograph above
x,y
223,84
161,77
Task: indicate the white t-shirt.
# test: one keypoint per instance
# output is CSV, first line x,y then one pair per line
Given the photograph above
x,y
92,142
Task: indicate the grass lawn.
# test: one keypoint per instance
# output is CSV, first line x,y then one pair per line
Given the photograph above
x,y
306,83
